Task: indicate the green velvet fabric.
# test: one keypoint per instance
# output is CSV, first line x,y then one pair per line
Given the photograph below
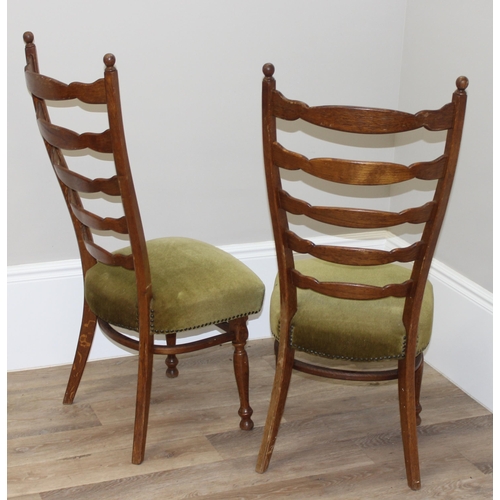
x,y
194,284
358,330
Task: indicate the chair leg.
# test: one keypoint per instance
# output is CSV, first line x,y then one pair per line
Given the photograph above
x,y
241,371
407,411
144,380
418,385
87,331
282,378
171,361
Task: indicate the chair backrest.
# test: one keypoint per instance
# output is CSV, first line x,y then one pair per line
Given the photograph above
x,y
60,141
359,173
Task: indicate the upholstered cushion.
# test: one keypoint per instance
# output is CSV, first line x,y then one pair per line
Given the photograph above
x,y
362,330
194,284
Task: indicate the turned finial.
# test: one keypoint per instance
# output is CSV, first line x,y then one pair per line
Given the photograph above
x,y
109,60
268,70
28,37
462,83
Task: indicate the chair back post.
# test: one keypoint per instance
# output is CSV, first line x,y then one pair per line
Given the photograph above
x,y
128,195
432,228
278,216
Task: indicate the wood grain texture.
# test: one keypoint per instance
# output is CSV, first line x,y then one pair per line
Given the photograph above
x,y
337,439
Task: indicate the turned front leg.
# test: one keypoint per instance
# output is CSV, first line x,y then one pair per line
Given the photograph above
x,y
241,372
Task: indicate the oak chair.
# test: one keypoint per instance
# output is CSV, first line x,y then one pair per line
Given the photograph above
x,y
349,302
162,286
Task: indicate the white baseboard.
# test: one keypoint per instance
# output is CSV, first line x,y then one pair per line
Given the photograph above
x,y
461,346
45,304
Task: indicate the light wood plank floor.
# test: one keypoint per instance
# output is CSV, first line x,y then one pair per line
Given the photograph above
x,y
338,440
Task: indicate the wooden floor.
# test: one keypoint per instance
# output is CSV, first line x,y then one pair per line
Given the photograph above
x,y
339,440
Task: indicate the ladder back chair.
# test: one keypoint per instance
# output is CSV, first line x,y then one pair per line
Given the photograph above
x,y
162,286
354,303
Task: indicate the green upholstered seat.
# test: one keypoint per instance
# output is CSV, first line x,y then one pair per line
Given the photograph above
x,y
358,330
194,284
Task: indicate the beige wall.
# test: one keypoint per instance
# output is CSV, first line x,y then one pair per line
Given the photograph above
x,y
190,79
443,40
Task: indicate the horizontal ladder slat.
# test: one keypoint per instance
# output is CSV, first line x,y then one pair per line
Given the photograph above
x,y
93,221
354,217
363,173
83,184
353,291
63,138
111,259
362,120
354,256
48,88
